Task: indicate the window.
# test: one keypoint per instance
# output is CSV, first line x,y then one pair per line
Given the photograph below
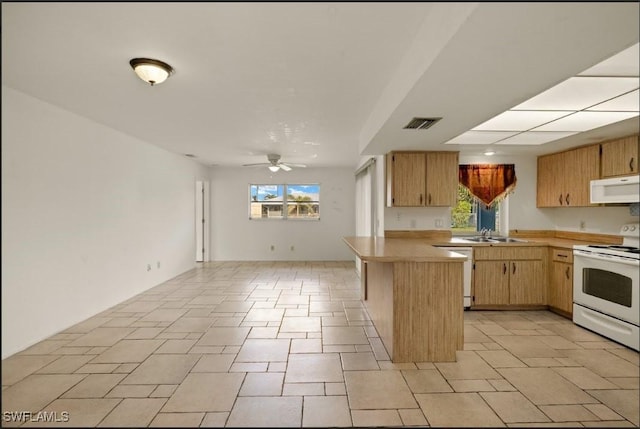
x,y
270,201
469,216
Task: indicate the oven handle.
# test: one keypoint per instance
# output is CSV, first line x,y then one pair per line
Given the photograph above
x,y
589,255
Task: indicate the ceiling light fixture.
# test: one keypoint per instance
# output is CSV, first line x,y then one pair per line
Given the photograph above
x,y
489,152
151,71
274,168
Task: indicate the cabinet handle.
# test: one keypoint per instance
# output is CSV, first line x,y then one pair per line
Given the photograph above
x,y
561,256
567,199
513,264
429,198
560,199
631,164
567,273
504,268
420,199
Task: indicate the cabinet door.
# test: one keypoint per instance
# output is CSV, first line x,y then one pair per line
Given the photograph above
x,y
491,283
550,179
442,178
620,157
407,175
561,286
581,167
526,282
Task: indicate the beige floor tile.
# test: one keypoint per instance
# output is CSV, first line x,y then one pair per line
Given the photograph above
x,y
261,332
335,389
542,362
334,335
45,347
378,390
625,382
264,315
500,359
162,369
492,329
249,367
300,324
264,350
547,425
214,420
164,391
623,402
223,336
471,386
190,324
128,351
457,409
584,378
326,411
82,413
133,412
175,420
131,391
363,418
303,389
469,365
144,333
176,347
233,307
65,365
125,368
36,391
627,354
426,381
603,412
313,368
568,413
609,424
214,363
358,361
17,367
543,386
313,345
101,337
141,306
557,342
206,300
262,384
473,335
266,412
164,315
293,299
97,368
87,325
325,306
412,417
527,347
502,385
513,407
94,386
195,393
604,363
356,314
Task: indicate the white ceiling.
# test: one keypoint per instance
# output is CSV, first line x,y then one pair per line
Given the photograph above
x,y
318,83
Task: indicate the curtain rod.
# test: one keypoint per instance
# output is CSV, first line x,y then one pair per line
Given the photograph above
x,y
366,165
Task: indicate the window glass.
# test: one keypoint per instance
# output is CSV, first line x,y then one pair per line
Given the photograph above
x,y
266,201
269,201
468,216
303,201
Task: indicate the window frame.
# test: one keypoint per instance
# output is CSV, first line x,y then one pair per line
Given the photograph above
x,y
284,204
502,208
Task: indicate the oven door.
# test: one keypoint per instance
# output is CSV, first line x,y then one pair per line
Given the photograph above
x,y
608,285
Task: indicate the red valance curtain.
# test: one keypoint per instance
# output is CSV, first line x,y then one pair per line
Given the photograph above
x,y
488,183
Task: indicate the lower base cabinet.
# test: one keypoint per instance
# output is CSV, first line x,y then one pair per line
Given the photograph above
x,y
561,282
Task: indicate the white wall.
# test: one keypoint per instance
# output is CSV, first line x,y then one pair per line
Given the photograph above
x,y
235,237
85,209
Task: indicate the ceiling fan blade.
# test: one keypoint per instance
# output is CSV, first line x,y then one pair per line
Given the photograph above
x,y
256,164
294,165
285,167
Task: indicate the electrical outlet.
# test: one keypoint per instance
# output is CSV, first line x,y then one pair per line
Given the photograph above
x,y
438,223
583,225
273,247
148,267
397,216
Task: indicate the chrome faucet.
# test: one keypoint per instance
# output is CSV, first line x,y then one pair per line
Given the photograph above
x,y
484,232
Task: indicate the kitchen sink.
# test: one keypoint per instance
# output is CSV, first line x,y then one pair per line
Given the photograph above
x,y
494,240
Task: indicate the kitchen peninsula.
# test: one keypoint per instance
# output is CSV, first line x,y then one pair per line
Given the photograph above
x,y
412,291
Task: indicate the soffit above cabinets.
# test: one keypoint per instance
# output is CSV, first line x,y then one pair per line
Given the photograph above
x,y
601,95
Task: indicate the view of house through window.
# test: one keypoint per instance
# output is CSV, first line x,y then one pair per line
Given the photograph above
x,y
284,201
468,216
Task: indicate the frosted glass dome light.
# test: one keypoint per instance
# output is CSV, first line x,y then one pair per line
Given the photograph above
x,y
151,71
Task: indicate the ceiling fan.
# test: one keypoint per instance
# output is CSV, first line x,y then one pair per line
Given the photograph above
x,y
274,164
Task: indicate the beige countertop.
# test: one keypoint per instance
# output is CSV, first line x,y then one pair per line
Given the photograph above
x,y
399,250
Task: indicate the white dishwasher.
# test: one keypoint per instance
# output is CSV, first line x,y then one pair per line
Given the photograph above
x,y
466,281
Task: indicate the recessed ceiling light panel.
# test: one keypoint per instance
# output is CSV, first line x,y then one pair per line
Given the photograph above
x,y
519,120
629,102
626,63
584,121
535,137
481,137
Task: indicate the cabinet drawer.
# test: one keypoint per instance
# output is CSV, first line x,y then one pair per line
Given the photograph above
x,y
508,253
562,255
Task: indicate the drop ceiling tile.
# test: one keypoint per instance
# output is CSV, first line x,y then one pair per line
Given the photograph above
x,y
481,137
629,102
577,93
626,63
519,120
583,121
536,137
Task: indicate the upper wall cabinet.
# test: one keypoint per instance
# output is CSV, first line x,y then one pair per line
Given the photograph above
x,y
620,157
564,177
419,179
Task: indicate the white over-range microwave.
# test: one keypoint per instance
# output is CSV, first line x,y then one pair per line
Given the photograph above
x,y
616,190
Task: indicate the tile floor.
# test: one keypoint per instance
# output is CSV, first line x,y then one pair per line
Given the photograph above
x,y
290,344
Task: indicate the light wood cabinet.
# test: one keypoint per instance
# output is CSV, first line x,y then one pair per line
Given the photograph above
x,y
560,291
509,276
620,157
564,177
419,179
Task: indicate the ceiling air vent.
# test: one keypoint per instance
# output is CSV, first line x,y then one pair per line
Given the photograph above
x,y
421,123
